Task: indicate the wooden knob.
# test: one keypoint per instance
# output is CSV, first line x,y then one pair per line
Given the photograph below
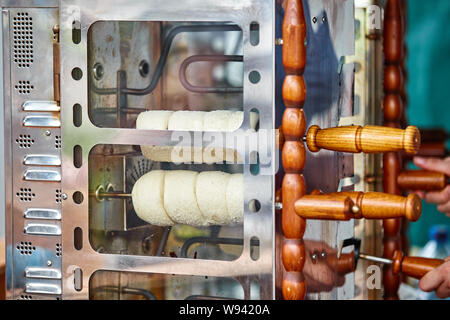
x,y
356,205
415,267
325,207
368,139
421,180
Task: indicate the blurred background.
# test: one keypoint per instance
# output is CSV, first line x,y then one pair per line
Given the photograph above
x,y
428,64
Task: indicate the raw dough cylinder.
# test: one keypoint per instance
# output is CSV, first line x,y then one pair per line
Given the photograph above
x,y
211,188
235,198
154,120
180,200
187,121
218,120
148,195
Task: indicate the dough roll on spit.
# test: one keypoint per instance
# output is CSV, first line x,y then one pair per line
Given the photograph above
x,y
213,121
149,206
165,198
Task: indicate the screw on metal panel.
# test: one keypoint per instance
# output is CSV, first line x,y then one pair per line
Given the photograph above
x,y
47,133
278,206
314,20
144,68
279,41
49,263
64,196
98,71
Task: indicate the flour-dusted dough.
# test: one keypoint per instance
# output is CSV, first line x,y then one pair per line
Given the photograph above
x,y
235,198
153,120
210,190
148,196
217,120
180,200
187,121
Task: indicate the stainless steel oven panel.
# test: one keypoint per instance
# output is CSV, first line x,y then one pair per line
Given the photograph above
x,y
28,76
260,95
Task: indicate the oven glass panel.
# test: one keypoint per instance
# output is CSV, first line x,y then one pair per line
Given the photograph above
x,y
141,66
142,207
109,285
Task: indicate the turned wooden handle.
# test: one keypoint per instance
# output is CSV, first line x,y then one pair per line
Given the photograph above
x,y
421,180
377,205
415,267
345,264
356,205
368,139
325,207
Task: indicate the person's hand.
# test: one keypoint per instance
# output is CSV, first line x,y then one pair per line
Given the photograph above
x,y
441,198
438,280
320,276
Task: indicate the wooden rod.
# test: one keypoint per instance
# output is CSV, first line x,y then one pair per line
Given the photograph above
x,y
293,151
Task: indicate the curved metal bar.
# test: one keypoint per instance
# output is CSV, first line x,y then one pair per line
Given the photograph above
x,y
209,58
127,290
230,241
163,57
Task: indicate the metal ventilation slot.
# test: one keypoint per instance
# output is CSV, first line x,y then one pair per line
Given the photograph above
x,y
42,288
41,160
43,106
42,273
44,214
42,229
42,175
42,121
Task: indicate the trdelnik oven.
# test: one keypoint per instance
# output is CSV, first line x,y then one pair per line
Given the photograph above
x,y
99,95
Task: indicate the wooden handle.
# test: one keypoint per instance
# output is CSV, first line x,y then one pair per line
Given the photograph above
x,y
421,180
433,149
434,135
325,207
368,139
415,267
377,205
345,264
344,206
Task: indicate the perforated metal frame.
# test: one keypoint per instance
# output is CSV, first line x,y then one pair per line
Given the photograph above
x,y
24,80
261,95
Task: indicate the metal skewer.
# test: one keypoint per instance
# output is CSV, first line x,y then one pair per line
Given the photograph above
x,y
375,259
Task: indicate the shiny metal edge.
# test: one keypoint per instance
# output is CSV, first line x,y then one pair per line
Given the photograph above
x,y
43,106
42,288
42,175
43,214
41,160
8,153
29,3
41,121
42,229
42,273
